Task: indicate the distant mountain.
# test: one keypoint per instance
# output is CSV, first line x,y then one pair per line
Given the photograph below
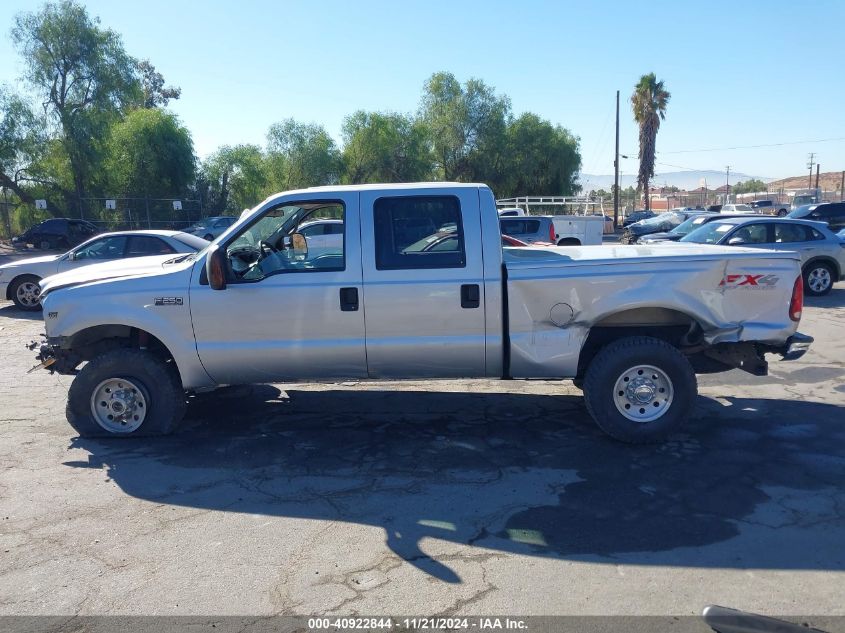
x,y
680,179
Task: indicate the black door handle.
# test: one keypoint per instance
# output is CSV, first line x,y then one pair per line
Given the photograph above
x,y
348,299
470,296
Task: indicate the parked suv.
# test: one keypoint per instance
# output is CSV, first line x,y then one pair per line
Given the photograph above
x,y
531,229
822,253
57,233
833,213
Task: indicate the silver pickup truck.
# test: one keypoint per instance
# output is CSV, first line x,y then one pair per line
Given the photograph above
x,y
419,287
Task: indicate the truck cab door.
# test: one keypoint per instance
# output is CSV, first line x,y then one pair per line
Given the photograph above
x,y
423,283
284,315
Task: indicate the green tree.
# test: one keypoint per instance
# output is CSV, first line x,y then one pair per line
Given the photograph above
x,y
302,155
150,154
234,178
540,159
648,102
385,147
21,137
749,186
83,76
468,127
153,91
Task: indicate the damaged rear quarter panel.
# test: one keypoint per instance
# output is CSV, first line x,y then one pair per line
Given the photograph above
x,y
597,289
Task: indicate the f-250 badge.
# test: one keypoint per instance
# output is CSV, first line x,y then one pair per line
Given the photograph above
x,y
168,301
765,282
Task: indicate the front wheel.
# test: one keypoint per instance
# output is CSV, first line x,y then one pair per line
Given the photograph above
x,y
639,389
25,291
782,213
818,279
125,393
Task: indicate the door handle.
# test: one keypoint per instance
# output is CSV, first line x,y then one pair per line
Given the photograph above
x,y
470,296
348,299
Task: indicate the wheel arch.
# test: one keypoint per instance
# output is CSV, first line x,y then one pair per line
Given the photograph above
x,y
16,278
89,342
823,259
569,241
669,324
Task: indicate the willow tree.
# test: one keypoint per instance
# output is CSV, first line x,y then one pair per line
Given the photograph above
x,y
649,105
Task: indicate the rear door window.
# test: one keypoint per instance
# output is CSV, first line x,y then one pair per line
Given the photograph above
x,y
418,232
143,245
786,233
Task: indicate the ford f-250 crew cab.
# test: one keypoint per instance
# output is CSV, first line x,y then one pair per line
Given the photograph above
x,y
419,287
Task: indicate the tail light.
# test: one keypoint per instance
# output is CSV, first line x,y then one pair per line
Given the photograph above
x,y
552,233
796,304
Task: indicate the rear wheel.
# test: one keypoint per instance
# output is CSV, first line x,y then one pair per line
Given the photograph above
x,y
818,279
24,291
639,389
125,393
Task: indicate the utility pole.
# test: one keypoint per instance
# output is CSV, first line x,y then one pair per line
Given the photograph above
x,y
616,170
727,182
842,188
817,176
810,164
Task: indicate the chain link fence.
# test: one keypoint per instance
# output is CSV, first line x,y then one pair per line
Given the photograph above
x,y
110,214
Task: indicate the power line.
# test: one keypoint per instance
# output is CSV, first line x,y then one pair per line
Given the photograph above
x,y
722,149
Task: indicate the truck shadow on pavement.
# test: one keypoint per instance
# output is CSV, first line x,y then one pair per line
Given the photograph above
x,y
11,311
752,483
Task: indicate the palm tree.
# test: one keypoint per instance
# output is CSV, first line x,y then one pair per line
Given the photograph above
x,y
649,105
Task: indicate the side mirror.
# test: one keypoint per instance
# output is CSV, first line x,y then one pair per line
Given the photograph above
x,y
297,243
215,268
71,256
736,241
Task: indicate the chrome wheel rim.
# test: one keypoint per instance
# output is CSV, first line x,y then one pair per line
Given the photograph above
x,y
119,405
27,294
643,393
819,279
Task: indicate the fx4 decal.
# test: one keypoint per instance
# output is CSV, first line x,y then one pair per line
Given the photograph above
x,y
765,282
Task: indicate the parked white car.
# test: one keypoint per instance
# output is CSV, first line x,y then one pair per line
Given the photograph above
x,y
323,236
19,279
210,228
739,208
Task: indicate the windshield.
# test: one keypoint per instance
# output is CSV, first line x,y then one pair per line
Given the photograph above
x,y
710,233
801,211
685,227
671,217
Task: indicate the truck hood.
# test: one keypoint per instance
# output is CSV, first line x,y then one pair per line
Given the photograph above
x,y
109,270
20,263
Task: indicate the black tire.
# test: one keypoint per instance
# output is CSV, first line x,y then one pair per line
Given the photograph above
x,y
782,213
569,241
612,361
810,272
44,245
158,380
13,292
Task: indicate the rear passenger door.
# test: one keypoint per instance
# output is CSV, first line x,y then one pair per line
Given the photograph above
x,y
423,283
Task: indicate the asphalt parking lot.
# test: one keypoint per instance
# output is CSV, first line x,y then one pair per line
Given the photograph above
x,y
438,497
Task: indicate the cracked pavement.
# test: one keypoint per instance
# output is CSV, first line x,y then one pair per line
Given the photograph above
x,y
429,497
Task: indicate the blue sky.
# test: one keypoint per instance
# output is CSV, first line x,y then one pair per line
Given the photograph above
x,y
740,73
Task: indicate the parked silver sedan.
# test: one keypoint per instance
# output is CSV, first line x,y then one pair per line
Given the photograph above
x,y
19,279
822,252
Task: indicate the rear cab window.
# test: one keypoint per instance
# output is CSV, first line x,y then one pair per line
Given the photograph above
x,y
418,232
